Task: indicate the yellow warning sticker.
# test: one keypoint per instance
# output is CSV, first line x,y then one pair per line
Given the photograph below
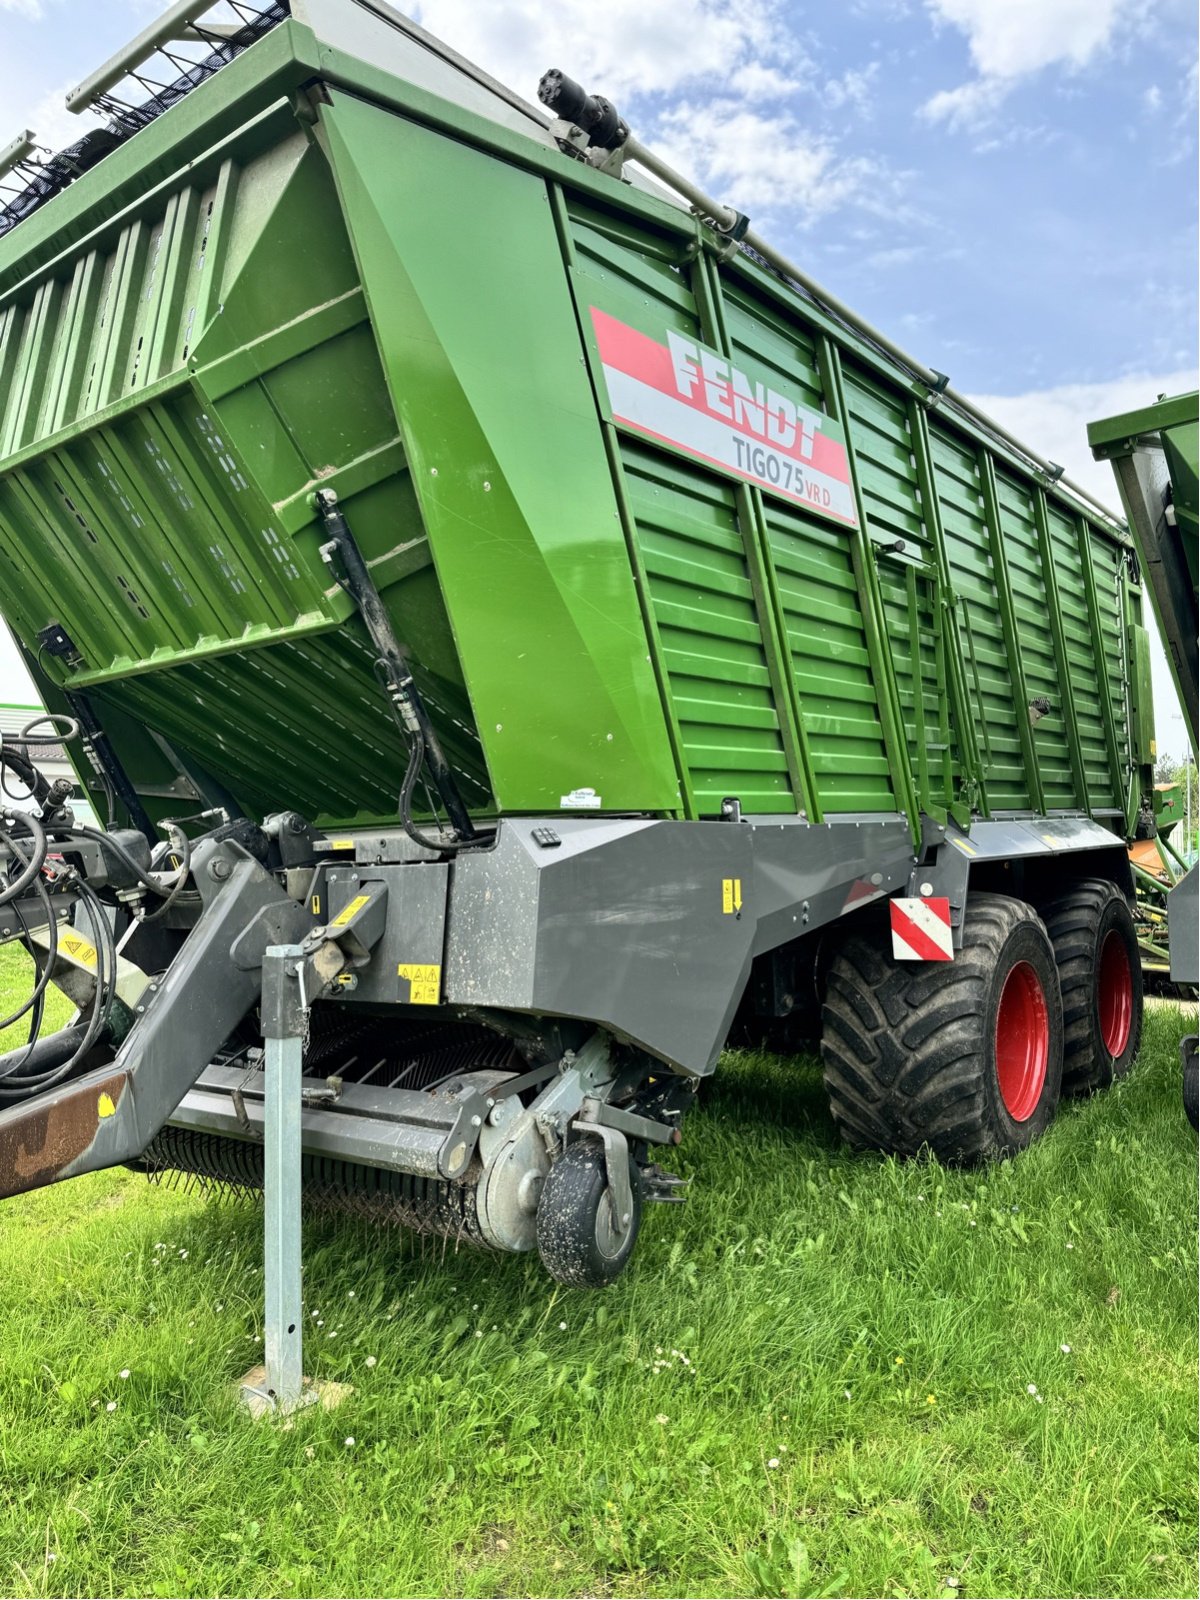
x,y
351,911
341,844
424,983
104,1106
731,895
316,905
78,949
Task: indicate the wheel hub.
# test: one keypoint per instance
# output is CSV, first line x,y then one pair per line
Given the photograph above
x,y
1115,994
1022,1041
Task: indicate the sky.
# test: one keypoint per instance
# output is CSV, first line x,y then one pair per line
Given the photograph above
x,y
1006,187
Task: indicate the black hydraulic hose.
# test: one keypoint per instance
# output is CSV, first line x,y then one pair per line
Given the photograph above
x,y
19,1086
356,579
43,982
57,735
46,1054
185,850
26,772
33,862
109,843
103,758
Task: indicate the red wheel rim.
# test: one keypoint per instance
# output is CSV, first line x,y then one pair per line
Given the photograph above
x,y
1115,994
1022,1041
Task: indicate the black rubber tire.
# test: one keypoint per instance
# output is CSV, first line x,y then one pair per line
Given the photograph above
x,y
910,1048
577,1238
1079,923
1191,1082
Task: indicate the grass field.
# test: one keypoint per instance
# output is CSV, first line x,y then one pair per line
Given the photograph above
x,y
823,1375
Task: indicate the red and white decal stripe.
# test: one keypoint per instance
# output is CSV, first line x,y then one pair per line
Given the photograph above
x,y
689,396
921,929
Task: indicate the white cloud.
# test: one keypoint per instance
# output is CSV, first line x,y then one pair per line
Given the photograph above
x,y
620,48
1010,39
710,80
27,8
854,89
764,163
1055,421
755,81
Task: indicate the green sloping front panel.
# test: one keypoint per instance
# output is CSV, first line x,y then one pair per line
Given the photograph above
x,y
481,351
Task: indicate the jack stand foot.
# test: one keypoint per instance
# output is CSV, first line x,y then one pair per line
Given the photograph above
x,y
259,1401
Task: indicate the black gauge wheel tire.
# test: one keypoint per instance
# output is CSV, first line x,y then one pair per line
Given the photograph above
x,y
581,1242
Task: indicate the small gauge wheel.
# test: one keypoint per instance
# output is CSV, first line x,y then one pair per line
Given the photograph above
x,y
580,1238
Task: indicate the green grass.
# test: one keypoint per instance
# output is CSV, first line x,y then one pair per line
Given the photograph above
x,y
813,1379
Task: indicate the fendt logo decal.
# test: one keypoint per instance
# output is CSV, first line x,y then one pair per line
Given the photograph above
x,y
684,394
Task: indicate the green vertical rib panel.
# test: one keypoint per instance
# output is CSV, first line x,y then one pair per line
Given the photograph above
x,y
816,594
1031,611
831,664
1066,689
706,286
874,623
1100,643
1012,637
886,466
973,580
704,607
971,772
1088,689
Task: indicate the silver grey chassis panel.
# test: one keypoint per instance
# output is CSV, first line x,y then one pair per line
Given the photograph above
x,y
630,923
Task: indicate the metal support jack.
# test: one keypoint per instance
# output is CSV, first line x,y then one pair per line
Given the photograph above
x,y
285,1019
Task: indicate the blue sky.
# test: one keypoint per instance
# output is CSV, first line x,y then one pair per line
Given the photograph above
x,y
1007,187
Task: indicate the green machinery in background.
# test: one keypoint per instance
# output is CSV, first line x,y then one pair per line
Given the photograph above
x,y
1155,453
522,628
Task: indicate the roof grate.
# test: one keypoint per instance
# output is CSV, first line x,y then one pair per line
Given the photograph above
x,y
114,92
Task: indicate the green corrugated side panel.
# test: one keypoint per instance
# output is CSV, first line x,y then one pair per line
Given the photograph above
x,y
1032,613
710,631
478,340
973,578
888,480
1141,719
1086,683
692,548
1110,568
822,613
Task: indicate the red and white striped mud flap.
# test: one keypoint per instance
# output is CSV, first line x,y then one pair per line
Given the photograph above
x,y
921,929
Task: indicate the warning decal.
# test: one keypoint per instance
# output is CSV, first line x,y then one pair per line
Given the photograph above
x,y
684,394
731,896
921,929
424,983
78,948
351,911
